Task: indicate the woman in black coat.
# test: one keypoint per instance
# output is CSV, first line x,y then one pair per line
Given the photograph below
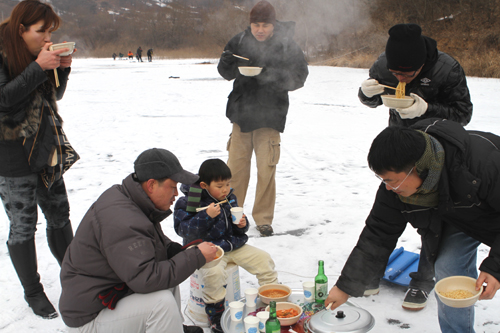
x,y
27,85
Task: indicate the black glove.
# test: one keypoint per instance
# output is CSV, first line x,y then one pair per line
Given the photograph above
x,y
111,296
227,57
175,248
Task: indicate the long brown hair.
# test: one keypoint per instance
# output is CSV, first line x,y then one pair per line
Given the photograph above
x,y
26,13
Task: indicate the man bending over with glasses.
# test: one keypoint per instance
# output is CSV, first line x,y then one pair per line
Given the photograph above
x,y
444,181
437,83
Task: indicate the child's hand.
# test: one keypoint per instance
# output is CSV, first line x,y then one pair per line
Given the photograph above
x,y
243,222
213,210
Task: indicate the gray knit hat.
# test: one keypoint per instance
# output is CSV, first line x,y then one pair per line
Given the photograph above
x,y
157,163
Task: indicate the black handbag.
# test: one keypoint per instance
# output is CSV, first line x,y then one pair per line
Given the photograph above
x,y
49,152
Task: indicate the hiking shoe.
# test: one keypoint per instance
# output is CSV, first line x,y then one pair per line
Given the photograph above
x,y
415,299
192,329
371,292
372,288
265,230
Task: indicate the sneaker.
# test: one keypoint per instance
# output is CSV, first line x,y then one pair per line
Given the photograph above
x,y
371,292
372,288
415,299
265,230
192,329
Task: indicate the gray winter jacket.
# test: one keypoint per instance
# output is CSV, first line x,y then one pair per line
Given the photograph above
x,y
120,240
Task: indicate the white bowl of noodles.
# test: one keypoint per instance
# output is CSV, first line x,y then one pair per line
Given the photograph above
x,y
393,102
458,291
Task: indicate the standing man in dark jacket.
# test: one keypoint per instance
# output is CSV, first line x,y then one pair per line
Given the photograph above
x,y
438,85
258,105
139,54
445,182
121,258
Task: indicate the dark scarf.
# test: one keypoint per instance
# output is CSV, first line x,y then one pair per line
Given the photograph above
x,y
429,168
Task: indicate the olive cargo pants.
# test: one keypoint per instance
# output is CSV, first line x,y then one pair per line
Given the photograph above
x,y
266,144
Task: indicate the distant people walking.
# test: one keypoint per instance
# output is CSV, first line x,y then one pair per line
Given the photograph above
x,y
114,56
139,54
130,55
150,55
121,55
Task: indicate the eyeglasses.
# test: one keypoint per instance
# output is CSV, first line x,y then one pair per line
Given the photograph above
x,y
392,187
405,75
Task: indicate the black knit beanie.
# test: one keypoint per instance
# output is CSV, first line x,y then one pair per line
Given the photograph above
x,y
263,11
405,49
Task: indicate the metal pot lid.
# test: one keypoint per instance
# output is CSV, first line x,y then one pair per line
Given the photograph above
x,y
346,318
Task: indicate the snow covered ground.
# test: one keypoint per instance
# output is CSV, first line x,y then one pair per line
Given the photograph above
x,y
113,110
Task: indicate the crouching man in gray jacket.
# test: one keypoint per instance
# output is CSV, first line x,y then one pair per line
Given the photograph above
x,y
120,272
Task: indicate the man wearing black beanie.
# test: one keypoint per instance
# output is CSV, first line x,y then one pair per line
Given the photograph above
x,y
433,79
438,85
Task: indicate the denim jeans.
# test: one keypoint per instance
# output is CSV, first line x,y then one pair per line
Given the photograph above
x,y
20,197
457,256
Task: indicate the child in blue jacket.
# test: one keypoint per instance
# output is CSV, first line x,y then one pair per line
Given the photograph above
x,y
215,225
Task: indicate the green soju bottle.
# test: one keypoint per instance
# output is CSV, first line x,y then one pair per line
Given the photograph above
x,y
321,284
273,324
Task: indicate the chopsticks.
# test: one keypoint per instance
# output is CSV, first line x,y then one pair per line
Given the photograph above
x,y
237,56
203,208
56,78
383,85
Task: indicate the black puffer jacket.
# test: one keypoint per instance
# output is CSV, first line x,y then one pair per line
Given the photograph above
x,y
262,101
469,197
21,99
441,83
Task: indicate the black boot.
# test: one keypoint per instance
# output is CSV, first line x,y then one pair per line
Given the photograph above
x,y
214,312
23,256
192,329
59,240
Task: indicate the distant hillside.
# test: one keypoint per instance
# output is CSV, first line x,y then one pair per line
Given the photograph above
x,y
348,33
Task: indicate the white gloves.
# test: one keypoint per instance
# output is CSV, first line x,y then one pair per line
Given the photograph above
x,y
371,88
415,110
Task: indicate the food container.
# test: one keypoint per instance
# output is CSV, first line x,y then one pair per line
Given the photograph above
x,y
347,318
69,45
250,71
215,262
265,299
397,103
452,283
286,305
